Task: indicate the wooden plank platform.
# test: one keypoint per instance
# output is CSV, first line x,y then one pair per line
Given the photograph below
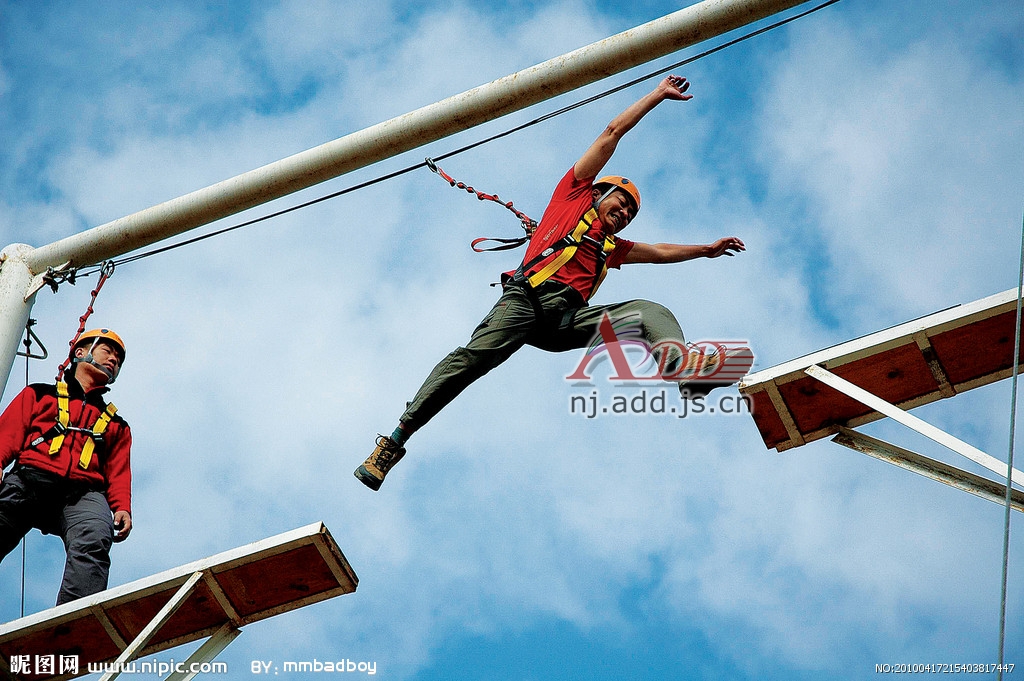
x,y
237,588
908,365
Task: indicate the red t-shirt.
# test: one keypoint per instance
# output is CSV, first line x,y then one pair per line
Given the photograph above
x,y
571,199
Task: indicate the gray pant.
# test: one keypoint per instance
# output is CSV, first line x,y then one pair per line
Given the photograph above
x,y
565,323
30,497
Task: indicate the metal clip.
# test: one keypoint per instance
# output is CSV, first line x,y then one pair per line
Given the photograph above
x,y
52,277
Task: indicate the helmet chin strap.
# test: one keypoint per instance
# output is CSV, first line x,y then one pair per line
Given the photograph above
x,y
89,359
597,202
604,196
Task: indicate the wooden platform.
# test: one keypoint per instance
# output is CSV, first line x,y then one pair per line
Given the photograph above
x,y
915,363
234,589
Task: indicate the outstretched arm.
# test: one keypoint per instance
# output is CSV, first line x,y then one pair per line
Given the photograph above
x,y
595,158
669,253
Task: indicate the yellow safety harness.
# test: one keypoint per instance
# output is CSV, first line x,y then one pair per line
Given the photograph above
x,y
566,247
62,427
63,417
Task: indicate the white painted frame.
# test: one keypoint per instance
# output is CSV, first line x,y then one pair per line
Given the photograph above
x,y
917,331
186,578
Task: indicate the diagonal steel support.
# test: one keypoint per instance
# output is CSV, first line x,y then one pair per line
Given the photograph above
x,y
929,468
154,625
914,423
205,653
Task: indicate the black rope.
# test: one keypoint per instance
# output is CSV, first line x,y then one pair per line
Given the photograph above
x,y
473,145
24,540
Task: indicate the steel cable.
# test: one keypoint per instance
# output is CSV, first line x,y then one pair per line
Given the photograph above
x,y
1009,461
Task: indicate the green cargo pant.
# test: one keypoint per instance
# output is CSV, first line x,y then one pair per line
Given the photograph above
x,y
566,323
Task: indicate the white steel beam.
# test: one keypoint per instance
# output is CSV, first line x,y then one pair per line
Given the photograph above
x,y
207,652
128,654
929,468
954,317
914,423
15,302
554,77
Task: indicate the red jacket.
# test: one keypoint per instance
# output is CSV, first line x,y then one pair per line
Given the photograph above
x,y
33,413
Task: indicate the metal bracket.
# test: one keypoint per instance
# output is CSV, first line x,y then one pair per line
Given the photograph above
x,y
28,343
52,277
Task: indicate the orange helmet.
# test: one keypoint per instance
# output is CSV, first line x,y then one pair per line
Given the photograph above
x,y
619,182
96,335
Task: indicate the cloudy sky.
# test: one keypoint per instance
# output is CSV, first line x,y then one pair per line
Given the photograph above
x,y
871,156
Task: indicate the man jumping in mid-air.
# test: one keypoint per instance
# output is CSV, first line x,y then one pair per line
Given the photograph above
x,y
544,301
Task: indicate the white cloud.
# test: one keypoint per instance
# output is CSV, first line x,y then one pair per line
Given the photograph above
x,y
909,159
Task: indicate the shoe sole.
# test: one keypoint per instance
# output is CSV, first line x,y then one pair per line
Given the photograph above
x,y
364,476
700,389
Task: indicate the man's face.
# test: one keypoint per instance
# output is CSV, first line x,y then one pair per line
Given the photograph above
x,y
104,354
615,212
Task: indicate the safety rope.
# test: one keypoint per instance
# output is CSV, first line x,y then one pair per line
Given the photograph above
x,y
1009,460
106,269
473,145
528,223
28,355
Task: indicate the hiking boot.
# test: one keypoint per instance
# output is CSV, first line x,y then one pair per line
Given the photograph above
x,y
719,369
377,465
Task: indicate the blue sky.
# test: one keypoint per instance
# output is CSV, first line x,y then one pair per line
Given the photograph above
x,y
871,157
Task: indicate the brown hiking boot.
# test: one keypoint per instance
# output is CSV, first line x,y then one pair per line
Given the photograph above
x,y
706,371
377,465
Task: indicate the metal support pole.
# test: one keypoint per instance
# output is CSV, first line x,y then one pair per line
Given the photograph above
x,y
554,77
461,112
206,653
914,423
929,468
160,619
15,281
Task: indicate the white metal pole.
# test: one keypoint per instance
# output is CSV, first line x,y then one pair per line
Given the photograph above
x,y
914,423
159,619
554,77
15,281
458,113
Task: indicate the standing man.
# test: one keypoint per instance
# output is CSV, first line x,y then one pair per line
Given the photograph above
x,y
71,474
544,301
